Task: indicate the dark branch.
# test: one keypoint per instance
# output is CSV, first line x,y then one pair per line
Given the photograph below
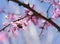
x,y
38,14
4,28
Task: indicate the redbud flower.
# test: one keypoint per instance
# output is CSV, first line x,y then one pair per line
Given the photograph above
x,y
5,23
8,29
13,24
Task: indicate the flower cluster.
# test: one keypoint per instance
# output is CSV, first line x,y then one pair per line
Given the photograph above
x,y
20,22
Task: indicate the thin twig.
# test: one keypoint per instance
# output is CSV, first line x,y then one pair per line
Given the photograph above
x,y
48,10
13,21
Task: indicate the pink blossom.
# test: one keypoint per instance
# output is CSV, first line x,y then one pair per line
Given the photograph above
x,y
26,10
30,13
47,24
28,18
59,3
17,22
55,13
10,16
55,16
5,23
20,16
13,24
32,6
25,23
14,28
8,29
34,20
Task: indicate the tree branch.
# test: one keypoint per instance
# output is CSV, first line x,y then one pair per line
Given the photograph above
x,y
48,10
37,14
13,21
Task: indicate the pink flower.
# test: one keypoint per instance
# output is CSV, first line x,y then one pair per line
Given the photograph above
x,y
47,24
59,2
30,13
13,24
34,20
10,16
8,29
5,23
55,16
55,13
14,28
32,6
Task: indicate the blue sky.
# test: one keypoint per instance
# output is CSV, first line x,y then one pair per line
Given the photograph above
x,y
51,35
